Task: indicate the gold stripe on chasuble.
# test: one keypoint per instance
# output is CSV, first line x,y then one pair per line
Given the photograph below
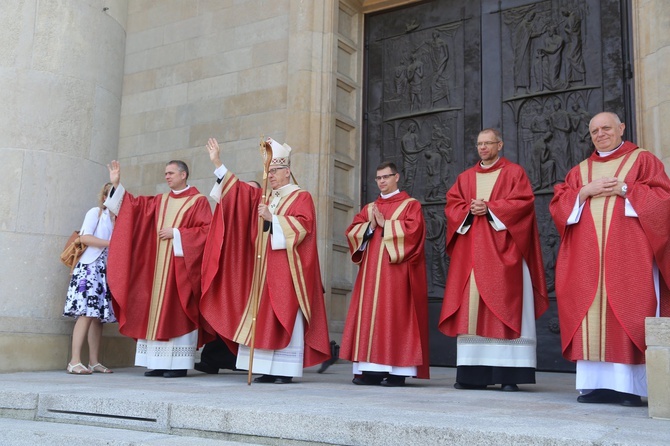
x,y
484,187
356,237
473,305
229,180
295,234
394,253
170,215
357,233
394,236
243,333
594,326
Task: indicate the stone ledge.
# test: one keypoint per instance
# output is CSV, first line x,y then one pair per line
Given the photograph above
x,y
657,331
137,415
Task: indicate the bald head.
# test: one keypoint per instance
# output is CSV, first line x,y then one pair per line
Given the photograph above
x,y
606,131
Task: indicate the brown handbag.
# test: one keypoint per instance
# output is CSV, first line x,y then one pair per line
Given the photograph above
x,y
74,248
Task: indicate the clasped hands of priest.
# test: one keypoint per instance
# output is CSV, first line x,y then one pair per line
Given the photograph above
x,y
602,187
377,218
478,207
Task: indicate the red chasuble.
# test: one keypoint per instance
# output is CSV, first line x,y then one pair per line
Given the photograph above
x,y
604,269
156,294
387,321
495,257
289,279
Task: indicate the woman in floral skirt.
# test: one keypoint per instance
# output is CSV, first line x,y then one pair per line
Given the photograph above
x,y
88,298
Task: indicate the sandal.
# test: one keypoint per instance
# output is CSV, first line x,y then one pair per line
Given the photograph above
x,y
99,368
78,369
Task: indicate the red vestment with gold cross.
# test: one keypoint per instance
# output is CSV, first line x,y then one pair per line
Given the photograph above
x,y
156,294
495,257
289,279
387,322
605,285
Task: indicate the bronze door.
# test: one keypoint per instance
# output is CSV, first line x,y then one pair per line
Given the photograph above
x,y
439,71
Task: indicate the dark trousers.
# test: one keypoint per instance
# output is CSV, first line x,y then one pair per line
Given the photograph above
x,y
217,354
481,375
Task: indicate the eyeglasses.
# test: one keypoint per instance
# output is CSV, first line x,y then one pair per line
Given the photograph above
x,y
487,143
385,177
274,170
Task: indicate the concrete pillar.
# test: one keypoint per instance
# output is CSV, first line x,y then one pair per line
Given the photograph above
x,y
652,90
61,75
657,333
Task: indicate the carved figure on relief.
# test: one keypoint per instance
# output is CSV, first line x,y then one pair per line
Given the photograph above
x,y
439,56
522,31
414,81
551,55
576,71
581,138
436,228
410,147
438,156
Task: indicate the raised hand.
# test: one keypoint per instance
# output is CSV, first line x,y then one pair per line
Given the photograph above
x,y
114,173
214,151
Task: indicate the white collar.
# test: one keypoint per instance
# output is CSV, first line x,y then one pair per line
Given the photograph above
x,y
604,154
177,192
395,192
481,163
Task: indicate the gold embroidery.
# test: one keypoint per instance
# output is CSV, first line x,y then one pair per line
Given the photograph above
x,y
594,325
485,182
170,214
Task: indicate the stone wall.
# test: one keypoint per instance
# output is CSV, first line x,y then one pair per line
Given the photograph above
x,y
61,68
651,39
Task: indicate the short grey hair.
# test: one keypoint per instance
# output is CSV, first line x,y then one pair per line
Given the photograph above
x,y
181,166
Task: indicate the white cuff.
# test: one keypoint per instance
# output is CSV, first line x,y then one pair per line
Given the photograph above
x,y
113,203
278,240
628,210
462,229
576,212
220,172
177,248
496,223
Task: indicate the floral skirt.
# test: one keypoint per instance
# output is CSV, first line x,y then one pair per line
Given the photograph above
x,y
88,294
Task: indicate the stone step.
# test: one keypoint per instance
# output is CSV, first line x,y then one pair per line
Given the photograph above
x,y
323,409
15,432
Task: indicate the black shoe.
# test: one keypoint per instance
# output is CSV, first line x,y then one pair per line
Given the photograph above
x,y
157,372
599,396
461,386
206,368
266,379
284,380
367,380
509,387
394,381
174,373
630,400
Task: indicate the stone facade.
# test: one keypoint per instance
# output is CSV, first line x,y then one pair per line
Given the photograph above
x,y
61,77
88,81
651,65
658,366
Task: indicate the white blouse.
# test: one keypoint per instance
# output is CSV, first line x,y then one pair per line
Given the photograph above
x,y
102,230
